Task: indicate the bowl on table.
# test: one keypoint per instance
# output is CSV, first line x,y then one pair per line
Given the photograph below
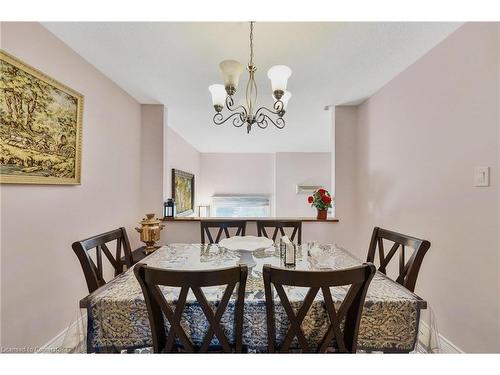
x,y
246,246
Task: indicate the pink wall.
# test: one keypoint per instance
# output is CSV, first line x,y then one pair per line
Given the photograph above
x,y
153,129
345,158
180,155
299,168
418,140
41,280
227,173
276,175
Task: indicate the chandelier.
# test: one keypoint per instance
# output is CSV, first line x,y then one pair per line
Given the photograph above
x,y
223,95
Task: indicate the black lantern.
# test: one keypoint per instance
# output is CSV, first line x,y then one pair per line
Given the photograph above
x,y
169,209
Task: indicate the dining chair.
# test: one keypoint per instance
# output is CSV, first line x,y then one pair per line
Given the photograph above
x,y
408,270
343,322
151,279
280,226
94,273
223,226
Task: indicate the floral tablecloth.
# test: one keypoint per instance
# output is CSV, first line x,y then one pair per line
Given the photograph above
x,y
117,315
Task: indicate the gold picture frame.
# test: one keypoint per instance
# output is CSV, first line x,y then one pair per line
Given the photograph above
x,y
40,126
183,192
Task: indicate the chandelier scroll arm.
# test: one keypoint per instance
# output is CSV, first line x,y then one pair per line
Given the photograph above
x,y
262,120
236,117
278,109
229,106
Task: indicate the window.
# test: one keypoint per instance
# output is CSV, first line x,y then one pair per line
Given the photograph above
x,y
241,206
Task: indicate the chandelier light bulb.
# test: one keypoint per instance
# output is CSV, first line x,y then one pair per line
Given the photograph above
x,y
218,95
231,70
279,75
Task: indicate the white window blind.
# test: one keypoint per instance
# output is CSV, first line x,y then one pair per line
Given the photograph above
x,y
241,206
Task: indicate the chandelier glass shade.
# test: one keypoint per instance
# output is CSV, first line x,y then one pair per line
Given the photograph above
x,y
246,113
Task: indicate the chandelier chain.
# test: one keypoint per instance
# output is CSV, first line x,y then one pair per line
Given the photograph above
x,y
251,43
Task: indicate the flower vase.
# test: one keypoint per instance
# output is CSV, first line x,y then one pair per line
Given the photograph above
x,y
322,214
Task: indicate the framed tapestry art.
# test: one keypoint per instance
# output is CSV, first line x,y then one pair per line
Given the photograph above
x,y
40,126
183,192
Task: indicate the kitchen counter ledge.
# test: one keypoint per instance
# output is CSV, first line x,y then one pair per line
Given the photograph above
x,y
303,219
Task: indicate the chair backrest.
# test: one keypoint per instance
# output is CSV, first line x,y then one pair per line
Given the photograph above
x,y
223,226
280,226
408,270
94,273
151,278
349,312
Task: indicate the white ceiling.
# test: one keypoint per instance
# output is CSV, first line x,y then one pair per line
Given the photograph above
x,y
173,63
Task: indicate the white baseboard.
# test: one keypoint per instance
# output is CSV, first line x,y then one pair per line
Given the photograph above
x,y
445,346
55,345
448,347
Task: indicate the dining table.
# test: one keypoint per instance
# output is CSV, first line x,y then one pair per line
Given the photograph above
x,y
117,317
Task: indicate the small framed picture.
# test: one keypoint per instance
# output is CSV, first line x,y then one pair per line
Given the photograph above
x,y
183,192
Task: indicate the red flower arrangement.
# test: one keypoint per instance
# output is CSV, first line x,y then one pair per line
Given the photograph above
x,y
321,199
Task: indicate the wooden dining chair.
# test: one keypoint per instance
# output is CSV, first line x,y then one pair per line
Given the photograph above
x,y
344,321
280,226
223,226
151,278
408,270
94,273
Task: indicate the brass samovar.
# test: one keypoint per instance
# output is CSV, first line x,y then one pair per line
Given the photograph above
x,y
150,232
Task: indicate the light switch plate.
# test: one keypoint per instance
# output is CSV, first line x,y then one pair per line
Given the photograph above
x,y
482,176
